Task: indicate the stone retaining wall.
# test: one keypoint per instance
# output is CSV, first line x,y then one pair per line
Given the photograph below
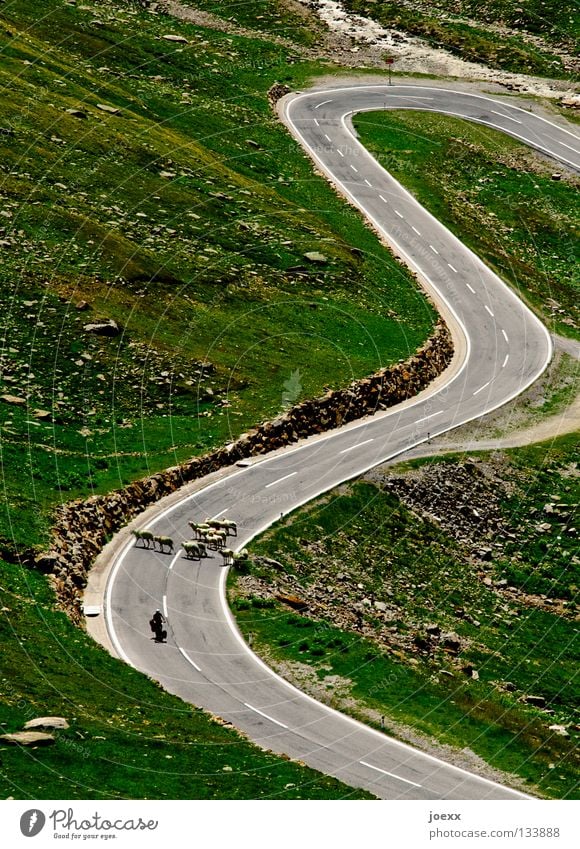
x,y
82,527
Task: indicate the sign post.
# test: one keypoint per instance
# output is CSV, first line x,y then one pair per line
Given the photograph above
x,y
389,62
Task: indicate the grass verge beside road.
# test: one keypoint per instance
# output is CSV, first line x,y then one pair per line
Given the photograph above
x,y
128,739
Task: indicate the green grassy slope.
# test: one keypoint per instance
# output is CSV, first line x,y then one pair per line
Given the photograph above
x,y
186,218
127,738
360,545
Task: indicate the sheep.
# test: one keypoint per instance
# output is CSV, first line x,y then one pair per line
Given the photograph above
x,y
146,536
199,529
214,541
191,549
164,541
202,549
229,556
227,525
230,527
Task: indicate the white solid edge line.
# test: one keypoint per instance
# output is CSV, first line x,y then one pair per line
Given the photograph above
x,y
265,715
392,774
188,659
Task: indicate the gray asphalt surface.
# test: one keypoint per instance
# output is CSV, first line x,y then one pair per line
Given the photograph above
x,y
205,661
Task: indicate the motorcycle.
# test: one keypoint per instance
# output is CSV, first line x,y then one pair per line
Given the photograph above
x,y
158,630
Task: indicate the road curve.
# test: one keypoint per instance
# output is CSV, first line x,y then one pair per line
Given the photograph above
x,y
205,661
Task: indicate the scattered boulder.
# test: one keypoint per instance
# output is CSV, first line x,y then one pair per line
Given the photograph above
x,y
112,110
560,730
177,39
535,701
77,113
103,328
13,399
42,415
292,601
451,641
316,256
47,722
27,738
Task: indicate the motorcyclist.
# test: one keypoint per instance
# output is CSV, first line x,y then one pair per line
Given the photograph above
x,y
157,621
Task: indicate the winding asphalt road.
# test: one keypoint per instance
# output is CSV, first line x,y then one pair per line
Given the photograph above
x,y
505,348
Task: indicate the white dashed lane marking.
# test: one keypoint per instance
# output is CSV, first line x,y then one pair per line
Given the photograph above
x,y
391,774
471,289
505,336
358,445
481,388
265,715
504,364
354,169
430,416
398,213
291,475
368,184
318,105
489,310
384,200
416,231
435,251
451,267
509,117
327,137
189,660
340,152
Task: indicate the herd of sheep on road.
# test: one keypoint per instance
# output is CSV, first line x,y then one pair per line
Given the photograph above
x,y
211,534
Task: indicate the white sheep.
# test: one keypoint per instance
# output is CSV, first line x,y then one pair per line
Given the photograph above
x,y
191,549
164,541
146,536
